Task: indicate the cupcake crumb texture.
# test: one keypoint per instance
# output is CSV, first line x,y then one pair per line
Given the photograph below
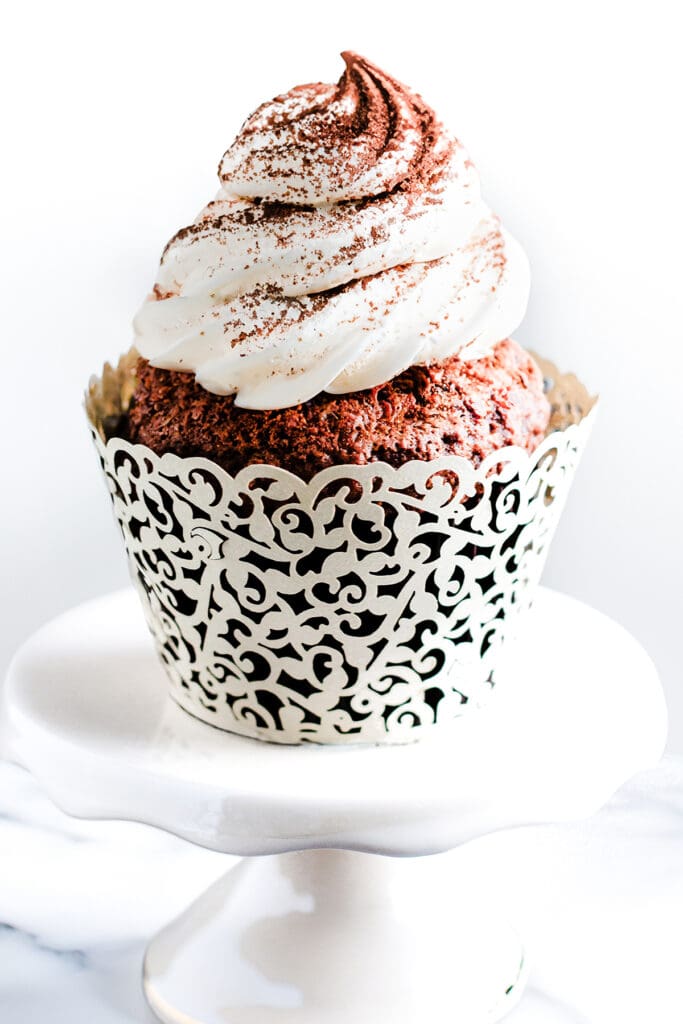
x,y
459,407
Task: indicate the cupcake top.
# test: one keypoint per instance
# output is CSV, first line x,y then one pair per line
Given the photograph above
x,y
348,242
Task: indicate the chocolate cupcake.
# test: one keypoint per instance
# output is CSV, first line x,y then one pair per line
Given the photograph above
x,y
459,407
333,468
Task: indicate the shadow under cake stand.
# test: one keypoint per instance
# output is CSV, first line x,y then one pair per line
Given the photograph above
x,y
312,929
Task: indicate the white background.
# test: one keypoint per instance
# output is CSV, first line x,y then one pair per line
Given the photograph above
x,y
114,119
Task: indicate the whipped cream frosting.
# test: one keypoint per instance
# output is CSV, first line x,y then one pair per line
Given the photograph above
x,y
348,241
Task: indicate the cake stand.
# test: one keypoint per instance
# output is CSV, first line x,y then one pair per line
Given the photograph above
x,y
336,915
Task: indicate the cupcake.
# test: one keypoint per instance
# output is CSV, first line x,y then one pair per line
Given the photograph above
x,y
335,472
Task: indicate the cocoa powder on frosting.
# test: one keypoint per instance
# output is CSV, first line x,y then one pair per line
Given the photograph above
x,y
369,105
349,241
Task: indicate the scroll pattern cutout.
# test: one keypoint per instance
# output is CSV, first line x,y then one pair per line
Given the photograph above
x,y
362,606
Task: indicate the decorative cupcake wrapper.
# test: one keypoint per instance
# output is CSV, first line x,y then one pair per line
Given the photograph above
x,y
363,606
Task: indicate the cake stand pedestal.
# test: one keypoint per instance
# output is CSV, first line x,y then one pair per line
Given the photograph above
x,y
313,927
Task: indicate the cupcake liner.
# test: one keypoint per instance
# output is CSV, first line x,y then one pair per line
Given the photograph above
x,y
365,605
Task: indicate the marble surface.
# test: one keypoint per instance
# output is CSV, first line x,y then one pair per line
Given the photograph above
x,y
598,905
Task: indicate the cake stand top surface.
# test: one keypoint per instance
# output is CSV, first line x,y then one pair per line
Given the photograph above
x,y
577,710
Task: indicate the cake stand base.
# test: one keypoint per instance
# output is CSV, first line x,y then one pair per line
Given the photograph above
x,y
327,935
318,928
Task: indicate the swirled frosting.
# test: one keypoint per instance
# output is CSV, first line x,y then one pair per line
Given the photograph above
x,y
348,241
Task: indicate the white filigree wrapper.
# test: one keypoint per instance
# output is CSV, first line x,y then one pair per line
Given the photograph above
x,y
366,605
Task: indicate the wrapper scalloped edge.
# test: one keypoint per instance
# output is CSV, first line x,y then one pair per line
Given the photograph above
x,y
365,605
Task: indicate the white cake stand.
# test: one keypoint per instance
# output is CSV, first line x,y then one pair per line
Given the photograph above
x,y
318,931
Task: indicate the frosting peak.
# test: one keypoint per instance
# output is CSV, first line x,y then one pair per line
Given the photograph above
x,y
348,241
321,143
